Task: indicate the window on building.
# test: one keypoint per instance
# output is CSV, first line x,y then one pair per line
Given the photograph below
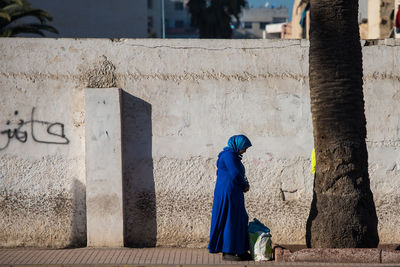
x,y
278,19
179,24
178,5
263,24
247,25
149,4
150,24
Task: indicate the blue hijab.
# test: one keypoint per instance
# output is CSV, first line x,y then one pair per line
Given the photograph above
x,y
238,143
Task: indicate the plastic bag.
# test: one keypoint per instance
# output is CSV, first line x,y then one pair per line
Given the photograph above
x,y
260,241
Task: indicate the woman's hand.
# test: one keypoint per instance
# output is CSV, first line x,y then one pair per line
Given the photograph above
x,y
246,188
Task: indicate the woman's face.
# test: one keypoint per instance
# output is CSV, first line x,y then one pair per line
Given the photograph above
x,y
242,151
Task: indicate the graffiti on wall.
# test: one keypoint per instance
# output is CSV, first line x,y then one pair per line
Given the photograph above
x,y
40,131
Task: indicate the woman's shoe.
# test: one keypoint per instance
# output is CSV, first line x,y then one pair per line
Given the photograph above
x,y
234,257
246,257
230,257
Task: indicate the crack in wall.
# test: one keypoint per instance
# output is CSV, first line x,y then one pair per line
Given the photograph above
x,y
216,49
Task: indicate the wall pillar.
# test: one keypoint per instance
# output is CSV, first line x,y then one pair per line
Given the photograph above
x,y
104,200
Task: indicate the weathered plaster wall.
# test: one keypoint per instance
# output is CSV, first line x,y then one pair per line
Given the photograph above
x,y
382,97
42,183
182,100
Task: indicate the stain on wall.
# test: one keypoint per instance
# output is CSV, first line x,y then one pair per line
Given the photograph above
x,y
102,75
36,211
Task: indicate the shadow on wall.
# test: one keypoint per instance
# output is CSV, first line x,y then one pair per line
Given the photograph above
x,y
78,231
312,215
138,180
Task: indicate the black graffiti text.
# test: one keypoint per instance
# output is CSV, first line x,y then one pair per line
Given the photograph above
x,y
53,129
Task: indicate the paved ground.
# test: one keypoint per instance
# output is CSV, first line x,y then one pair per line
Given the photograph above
x,y
134,257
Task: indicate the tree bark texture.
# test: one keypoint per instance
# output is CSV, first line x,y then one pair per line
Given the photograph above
x,y
343,211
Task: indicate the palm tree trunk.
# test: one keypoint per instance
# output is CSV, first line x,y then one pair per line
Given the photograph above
x,y
343,210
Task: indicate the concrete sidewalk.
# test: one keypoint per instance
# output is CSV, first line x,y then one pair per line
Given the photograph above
x,y
135,257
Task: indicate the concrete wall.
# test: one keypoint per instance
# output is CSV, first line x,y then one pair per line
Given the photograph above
x,y
181,101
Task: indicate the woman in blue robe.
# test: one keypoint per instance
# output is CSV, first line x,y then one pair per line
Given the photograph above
x,y
229,220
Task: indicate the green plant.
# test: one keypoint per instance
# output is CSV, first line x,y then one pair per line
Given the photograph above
x,y
11,13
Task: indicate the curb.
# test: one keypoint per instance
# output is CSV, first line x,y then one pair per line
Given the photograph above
x,y
390,256
338,255
262,264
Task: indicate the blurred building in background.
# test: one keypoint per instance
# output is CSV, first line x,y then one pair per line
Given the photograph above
x,y
376,19
177,20
278,30
254,20
154,23
143,19
380,20
102,18
118,18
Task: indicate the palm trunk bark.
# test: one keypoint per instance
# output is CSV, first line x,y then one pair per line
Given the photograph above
x,y
343,211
